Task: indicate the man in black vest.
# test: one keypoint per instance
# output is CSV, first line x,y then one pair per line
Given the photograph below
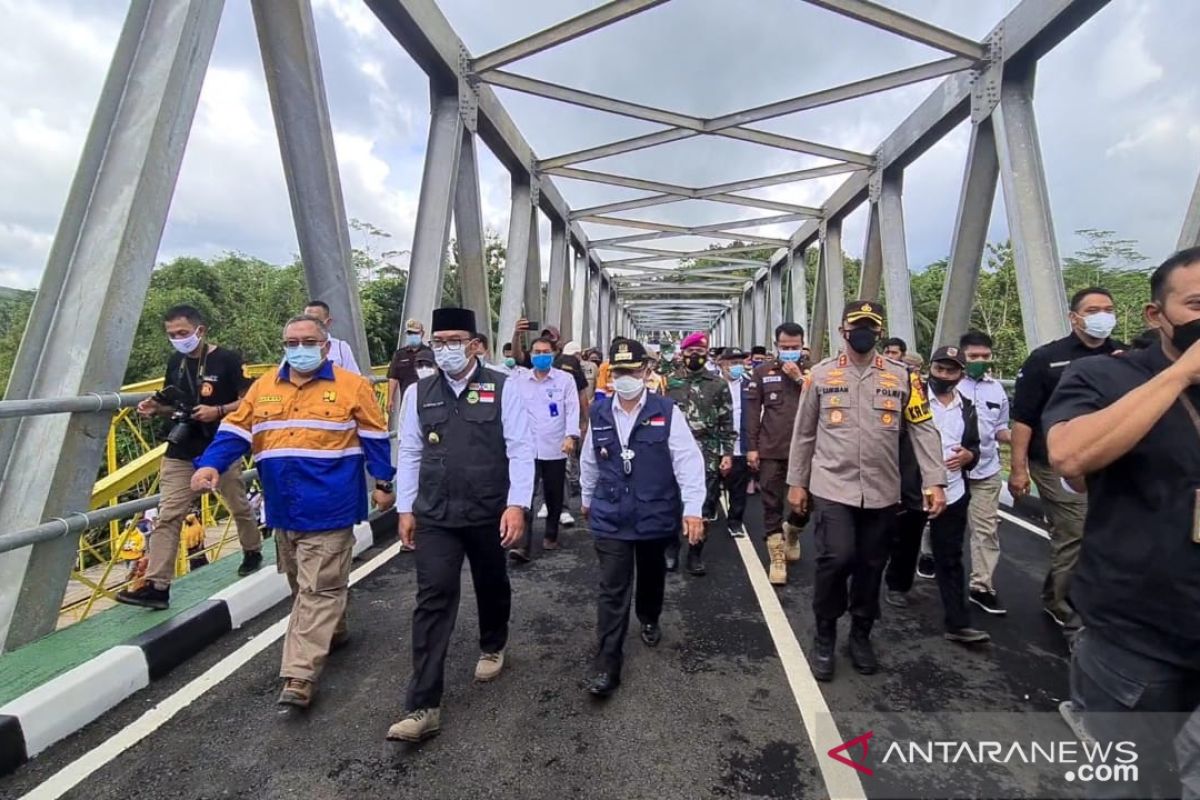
x,y
464,482
641,471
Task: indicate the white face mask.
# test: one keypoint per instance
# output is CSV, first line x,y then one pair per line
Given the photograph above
x,y
425,372
628,386
1100,324
188,344
452,362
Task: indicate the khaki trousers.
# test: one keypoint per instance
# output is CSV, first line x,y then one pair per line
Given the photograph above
x,y
1066,512
983,520
175,483
317,566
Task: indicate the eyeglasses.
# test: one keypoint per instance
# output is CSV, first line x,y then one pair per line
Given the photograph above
x,y
448,344
303,342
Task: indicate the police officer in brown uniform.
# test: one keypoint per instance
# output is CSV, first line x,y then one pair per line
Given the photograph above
x,y
772,398
845,465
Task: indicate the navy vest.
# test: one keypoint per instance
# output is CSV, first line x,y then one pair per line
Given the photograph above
x,y
464,461
645,504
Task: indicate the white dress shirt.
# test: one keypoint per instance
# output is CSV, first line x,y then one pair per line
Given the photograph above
x,y
686,458
517,439
949,421
735,391
553,406
341,354
991,406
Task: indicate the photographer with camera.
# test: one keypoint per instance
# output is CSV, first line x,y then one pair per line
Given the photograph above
x,y
203,383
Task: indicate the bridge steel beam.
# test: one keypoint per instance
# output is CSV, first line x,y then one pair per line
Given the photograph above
x,y
970,235
578,268
775,301
83,320
431,237
870,279
797,262
896,285
468,229
1027,205
902,25
605,319
534,308
1190,235
760,310
557,307
833,274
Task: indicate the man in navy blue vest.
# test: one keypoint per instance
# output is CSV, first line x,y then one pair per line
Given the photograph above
x,y
640,471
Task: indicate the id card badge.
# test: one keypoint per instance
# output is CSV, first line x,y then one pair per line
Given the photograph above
x,y
553,409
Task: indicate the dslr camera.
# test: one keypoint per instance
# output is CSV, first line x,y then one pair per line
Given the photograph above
x,y
181,417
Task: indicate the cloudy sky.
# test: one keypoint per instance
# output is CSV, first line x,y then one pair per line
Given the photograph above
x,y
1118,110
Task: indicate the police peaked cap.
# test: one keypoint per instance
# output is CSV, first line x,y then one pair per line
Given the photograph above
x,y
453,319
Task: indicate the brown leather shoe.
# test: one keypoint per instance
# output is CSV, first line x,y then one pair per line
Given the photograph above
x,y
296,692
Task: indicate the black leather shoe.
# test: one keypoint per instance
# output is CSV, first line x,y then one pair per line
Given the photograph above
x,y
251,561
651,634
602,685
146,597
862,654
823,650
695,564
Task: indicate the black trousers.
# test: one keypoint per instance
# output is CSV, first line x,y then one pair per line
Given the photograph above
x,y
619,560
736,483
852,547
947,532
439,557
550,477
905,549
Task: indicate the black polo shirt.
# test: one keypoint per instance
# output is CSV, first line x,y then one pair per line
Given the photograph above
x,y
1037,378
221,382
1138,578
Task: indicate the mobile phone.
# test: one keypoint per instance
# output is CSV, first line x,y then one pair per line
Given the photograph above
x,y
534,326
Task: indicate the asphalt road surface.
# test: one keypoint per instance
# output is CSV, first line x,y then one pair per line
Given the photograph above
x,y
711,712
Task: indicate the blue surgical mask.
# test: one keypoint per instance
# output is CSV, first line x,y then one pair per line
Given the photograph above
x,y
790,356
542,361
412,340
737,371
304,359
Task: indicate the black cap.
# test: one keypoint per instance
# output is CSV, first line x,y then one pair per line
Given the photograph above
x,y
857,310
950,354
758,350
732,354
453,319
627,354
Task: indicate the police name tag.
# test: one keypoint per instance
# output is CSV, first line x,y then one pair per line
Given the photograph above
x,y
772,379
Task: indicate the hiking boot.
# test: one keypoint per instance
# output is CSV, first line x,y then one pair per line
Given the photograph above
x,y
862,654
695,563
489,666
925,566
823,646
777,551
987,601
146,597
296,692
251,561
791,533
417,725
897,599
967,636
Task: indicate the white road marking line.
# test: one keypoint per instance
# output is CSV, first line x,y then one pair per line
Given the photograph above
x,y
841,782
74,773
1029,526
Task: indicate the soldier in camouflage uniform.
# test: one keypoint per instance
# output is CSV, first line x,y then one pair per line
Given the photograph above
x,y
707,405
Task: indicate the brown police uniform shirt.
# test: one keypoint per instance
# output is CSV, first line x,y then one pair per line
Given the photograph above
x,y
772,399
405,362
846,443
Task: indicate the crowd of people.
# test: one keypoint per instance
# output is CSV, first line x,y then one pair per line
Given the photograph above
x,y
894,462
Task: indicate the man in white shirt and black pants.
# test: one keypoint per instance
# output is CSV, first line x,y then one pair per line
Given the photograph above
x,y
463,482
955,419
984,480
737,480
552,402
640,471
339,350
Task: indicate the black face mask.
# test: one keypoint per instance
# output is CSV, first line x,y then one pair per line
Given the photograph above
x,y
862,340
1185,335
694,363
941,385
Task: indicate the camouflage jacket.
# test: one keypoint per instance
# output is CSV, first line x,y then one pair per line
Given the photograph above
x,y
707,405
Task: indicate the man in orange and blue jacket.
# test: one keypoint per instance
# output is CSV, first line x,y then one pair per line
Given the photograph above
x,y
312,427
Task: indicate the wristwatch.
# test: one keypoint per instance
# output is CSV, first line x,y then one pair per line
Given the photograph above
x,y
385,486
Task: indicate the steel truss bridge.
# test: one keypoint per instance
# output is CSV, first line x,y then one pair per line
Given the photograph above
x,y
83,321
